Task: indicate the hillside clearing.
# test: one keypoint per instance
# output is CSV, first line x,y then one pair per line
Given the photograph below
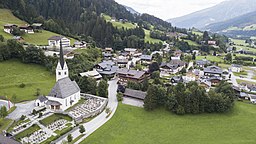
x,y
13,73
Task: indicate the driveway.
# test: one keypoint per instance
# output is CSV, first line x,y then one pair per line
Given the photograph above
x,y
22,109
98,121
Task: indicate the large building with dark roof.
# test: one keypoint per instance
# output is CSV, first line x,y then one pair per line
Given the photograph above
x,y
65,92
126,75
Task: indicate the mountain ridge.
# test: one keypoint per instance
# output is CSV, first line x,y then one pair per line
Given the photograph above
x,y
223,11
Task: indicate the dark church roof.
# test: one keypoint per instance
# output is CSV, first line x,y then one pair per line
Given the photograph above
x,y
62,62
64,88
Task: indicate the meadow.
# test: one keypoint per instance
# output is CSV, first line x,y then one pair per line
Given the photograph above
x,y
41,38
137,126
13,73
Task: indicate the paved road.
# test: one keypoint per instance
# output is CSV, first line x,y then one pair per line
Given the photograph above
x,y
101,119
22,109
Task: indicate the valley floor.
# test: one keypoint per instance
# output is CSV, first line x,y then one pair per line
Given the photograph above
x,y
135,125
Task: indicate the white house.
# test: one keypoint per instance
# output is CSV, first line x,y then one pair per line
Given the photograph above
x,y
65,92
236,68
27,29
8,28
54,41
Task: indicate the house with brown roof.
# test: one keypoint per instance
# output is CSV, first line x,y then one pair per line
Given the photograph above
x,y
8,28
125,75
135,94
27,29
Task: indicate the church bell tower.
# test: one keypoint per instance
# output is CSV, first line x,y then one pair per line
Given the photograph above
x,y
62,68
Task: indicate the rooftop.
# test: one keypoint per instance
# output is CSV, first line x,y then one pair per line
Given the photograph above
x,y
131,73
135,93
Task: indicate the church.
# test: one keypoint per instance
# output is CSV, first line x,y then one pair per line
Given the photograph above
x,y
65,92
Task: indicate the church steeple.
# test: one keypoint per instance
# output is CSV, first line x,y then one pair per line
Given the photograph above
x,y
62,68
62,61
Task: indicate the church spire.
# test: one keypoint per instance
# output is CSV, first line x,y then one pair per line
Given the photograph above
x,y
62,62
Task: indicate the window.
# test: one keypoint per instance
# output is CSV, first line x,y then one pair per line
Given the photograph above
x,y
59,73
65,73
66,102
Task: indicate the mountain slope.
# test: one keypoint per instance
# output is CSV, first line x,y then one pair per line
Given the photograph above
x,y
239,22
131,10
224,11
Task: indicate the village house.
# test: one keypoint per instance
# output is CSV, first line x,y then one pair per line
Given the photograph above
x,y
212,42
107,56
202,63
190,76
8,28
131,51
122,63
108,50
215,80
176,79
146,59
27,29
236,68
18,38
125,75
37,26
80,44
176,55
213,71
206,84
92,74
106,68
173,67
55,41
140,95
252,98
65,92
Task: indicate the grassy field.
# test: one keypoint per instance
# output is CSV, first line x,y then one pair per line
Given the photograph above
x,y
13,73
137,126
192,43
6,17
118,24
149,39
27,132
239,42
197,33
129,25
54,118
244,73
210,58
239,81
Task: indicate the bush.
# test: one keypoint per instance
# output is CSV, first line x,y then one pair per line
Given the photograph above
x,y
22,117
81,129
22,85
119,97
180,110
70,138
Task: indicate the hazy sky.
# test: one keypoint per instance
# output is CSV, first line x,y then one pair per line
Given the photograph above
x,y
166,9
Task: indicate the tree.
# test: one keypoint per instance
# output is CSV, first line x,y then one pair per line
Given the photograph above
x,y
88,85
229,57
70,138
119,97
194,56
1,38
81,129
156,96
188,58
103,89
38,92
183,71
3,112
133,85
153,67
206,36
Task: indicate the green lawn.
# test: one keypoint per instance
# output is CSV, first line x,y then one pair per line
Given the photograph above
x,y
192,43
239,42
118,24
27,132
54,118
4,123
239,81
16,123
197,33
13,73
6,17
137,126
244,73
149,39
224,66
210,58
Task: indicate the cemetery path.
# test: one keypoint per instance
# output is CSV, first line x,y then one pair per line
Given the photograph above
x,y
101,119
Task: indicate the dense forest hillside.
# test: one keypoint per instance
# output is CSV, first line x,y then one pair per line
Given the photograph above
x,y
82,19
